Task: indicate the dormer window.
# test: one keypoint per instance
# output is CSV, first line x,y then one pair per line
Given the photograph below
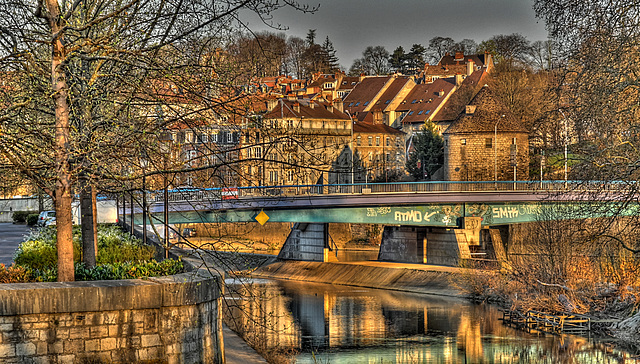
x,y
329,85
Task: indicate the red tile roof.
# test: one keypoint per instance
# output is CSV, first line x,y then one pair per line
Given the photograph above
x,y
391,92
364,93
489,112
449,60
424,99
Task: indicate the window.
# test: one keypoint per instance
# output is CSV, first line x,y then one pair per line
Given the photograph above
x,y
370,157
357,103
513,141
388,142
290,124
273,176
377,141
358,140
388,157
488,143
351,104
414,101
188,137
388,101
410,112
290,175
397,142
463,141
366,103
420,112
370,141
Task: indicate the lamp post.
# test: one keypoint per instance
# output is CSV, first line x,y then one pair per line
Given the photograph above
x,y
144,163
165,139
351,147
566,155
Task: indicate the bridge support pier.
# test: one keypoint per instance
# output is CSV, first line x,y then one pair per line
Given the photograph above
x,y
308,241
430,245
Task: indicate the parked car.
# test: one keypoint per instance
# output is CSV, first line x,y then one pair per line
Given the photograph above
x,y
47,218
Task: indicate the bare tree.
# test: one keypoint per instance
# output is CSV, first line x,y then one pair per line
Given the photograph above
x,y
119,54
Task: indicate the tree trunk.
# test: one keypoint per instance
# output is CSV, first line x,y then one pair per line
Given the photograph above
x,y
88,223
63,170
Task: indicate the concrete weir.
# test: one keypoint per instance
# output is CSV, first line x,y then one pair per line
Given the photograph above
x,y
380,275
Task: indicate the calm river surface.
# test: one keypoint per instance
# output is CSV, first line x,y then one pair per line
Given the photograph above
x,y
341,324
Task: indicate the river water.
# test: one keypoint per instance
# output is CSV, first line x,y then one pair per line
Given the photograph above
x,y
320,323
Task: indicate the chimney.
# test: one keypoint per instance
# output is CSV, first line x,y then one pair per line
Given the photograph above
x,y
312,105
459,56
362,77
459,79
337,103
440,93
470,109
470,67
296,107
377,116
271,104
291,97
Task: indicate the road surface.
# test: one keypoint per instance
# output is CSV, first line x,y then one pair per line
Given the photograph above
x,y
11,235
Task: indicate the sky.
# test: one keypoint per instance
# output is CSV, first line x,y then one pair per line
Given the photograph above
x,y
352,25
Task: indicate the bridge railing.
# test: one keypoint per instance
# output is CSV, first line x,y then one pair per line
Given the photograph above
x,y
231,193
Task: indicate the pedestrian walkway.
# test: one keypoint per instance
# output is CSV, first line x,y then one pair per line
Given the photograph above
x,y
11,235
236,350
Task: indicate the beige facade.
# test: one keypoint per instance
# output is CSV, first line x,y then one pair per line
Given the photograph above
x,y
296,143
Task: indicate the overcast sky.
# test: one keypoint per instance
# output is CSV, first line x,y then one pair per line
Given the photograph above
x,y
352,25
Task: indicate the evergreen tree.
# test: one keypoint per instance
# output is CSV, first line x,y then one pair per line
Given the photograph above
x,y
427,155
398,60
330,54
416,57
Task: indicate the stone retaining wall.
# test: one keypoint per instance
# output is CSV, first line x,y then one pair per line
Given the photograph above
x,y
174,319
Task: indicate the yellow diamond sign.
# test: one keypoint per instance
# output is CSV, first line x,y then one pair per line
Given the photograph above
x,y
262,218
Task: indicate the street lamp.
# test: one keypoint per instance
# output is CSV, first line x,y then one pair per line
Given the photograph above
x,y
144,163
351,146
165,139
566,156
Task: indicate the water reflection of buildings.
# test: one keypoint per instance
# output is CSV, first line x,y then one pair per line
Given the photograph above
x,y
365,325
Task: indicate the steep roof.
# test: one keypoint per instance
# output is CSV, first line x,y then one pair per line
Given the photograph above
x,y
391,92
489,112
306,109
364,92
459,59
461,97
424,99
348,83
366,127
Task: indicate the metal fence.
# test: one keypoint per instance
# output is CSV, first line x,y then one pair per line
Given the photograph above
x,y
230,193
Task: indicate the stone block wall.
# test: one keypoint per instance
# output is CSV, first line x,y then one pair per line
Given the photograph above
x,y
468,158
172,319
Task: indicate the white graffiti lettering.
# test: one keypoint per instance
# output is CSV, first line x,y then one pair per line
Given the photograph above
x,y
415,216
505,212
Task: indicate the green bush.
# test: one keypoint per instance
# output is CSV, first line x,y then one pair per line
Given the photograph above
x,y
20,217
39,250
32,219
120,256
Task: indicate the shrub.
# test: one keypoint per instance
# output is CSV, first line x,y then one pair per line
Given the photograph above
x,y
20,217
14,274
32,219
128,270
120,256
39,250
